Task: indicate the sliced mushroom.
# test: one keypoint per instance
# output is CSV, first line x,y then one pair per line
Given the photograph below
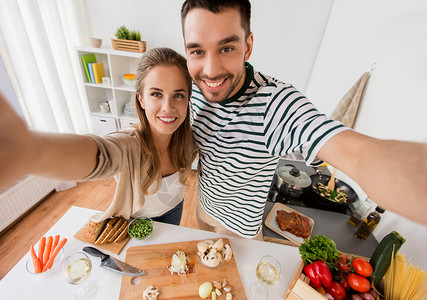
x,y
212,259
209,242
150,293
219,245
227,253
202,246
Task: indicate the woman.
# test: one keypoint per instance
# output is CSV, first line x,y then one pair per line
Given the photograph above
x,y
151,162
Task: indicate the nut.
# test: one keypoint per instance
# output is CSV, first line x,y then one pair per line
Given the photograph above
x,y
218,292
229,296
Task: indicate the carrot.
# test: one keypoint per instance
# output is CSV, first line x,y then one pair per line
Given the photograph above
x,y
54,243
36,261
58,247
47,249
42,244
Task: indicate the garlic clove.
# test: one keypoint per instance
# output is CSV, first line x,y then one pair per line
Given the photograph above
x,y
227,288
224,283
217,285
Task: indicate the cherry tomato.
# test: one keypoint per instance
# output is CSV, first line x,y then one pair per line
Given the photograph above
x,y
345,284
362,267
344,264
358,283
337,291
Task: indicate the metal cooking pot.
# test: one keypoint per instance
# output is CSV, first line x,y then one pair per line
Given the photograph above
x,y
324,179
291,182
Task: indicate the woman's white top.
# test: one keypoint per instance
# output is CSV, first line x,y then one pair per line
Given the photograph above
x,y
170,194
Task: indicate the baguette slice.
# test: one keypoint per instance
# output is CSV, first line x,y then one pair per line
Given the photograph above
x,y
93,230
122,228
106,230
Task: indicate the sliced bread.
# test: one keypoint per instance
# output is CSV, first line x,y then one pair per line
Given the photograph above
x,y
122,228
113,230
107,228
108,231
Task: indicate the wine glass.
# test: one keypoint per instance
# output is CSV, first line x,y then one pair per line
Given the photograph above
x,y
268,274
77,269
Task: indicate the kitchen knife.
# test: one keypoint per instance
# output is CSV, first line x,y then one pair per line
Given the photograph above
x,y
113,264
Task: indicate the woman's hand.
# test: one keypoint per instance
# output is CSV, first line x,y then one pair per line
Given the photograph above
x,y
15,144
23,151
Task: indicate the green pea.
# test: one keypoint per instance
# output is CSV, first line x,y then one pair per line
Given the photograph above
x,y
141,228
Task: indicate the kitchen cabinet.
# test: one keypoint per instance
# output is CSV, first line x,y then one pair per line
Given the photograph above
x,y
103,125
112,91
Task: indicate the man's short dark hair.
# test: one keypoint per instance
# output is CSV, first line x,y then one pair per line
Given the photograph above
x,y
216,6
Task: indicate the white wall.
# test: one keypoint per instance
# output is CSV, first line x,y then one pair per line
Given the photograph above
x,y
392,34
287,34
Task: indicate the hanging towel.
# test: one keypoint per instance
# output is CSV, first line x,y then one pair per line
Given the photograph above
x,y
347,108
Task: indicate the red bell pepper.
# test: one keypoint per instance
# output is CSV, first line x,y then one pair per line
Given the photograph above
x,y
312,274
319,274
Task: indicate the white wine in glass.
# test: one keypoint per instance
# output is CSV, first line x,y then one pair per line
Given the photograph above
x,y
268,274
77,268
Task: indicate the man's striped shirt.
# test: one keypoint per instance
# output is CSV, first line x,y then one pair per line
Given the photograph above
x,y
241,140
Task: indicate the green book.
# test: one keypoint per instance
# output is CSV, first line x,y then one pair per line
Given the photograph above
x,y
86,59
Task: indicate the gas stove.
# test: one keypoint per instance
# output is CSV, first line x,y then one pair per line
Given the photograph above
x,y
306,199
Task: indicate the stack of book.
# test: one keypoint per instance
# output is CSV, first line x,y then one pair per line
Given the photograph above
x,y
94,70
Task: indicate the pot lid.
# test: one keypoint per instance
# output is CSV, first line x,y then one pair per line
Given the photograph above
x,y
294,176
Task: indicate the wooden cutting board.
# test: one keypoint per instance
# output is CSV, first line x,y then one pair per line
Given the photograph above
x,y
156,259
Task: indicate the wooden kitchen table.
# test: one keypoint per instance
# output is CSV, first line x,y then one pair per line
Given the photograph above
x,y
18,284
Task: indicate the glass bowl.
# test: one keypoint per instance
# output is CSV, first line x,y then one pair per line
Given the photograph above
x,y
58,261
143,236
129,82
209,267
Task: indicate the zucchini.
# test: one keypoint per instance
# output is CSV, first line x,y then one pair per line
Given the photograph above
x,y
381,258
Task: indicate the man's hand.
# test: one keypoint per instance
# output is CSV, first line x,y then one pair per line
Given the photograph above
x,y
392,173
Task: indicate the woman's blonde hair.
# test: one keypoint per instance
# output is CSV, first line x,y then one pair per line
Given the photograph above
x,y
182,146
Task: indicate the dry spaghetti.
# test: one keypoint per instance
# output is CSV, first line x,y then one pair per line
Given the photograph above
x,y
404,281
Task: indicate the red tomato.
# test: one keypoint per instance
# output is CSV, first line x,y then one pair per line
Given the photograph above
x,y
345,284
362,267
344,264
337,291
358,283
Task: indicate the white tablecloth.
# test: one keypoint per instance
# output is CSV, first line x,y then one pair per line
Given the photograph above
x,y
18,284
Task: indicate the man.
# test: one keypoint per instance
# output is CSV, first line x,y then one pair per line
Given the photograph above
x,y
244,121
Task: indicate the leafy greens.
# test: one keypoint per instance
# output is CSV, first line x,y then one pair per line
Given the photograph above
x,y
319,247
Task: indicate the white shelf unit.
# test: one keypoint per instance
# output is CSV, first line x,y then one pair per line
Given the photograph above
x,y
117,94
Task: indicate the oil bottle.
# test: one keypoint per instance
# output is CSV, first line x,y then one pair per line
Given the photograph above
x,y
369,223
360,212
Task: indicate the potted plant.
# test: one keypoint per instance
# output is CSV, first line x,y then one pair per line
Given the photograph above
x,y
128,40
